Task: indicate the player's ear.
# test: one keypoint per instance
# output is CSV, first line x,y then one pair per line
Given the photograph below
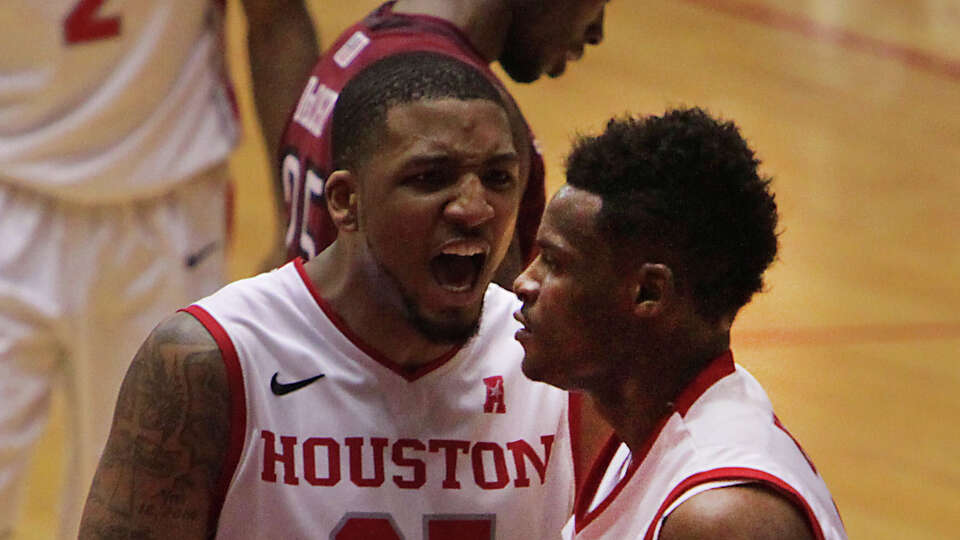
x,y
653,289
340,190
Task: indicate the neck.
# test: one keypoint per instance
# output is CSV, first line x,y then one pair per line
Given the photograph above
x,y
638,397
378,320
484,22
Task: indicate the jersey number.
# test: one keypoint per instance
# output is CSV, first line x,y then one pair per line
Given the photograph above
x,y
299,200
84,23
443,527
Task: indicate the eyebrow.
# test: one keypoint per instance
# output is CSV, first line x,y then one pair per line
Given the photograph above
x,y
549,244
508,157
424,160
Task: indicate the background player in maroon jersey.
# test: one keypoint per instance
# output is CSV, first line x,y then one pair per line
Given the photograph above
x,y
387,322
528,38
661,234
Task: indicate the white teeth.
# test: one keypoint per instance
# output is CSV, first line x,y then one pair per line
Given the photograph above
x,y
463,250
457,289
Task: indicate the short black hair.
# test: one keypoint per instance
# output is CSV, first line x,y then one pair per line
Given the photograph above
x,y
361,110
687,186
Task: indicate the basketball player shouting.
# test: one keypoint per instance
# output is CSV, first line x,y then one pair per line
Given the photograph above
x,y
374,391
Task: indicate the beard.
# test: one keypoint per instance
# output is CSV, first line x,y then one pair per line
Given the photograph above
x,y
451,330
450,327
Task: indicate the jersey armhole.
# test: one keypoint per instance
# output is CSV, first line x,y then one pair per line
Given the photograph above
x,y
238,407
734,476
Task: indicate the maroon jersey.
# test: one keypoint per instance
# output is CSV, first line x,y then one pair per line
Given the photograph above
x,y
305,149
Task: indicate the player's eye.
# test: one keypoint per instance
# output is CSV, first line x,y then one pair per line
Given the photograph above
x,y
427,180
549,261
499,179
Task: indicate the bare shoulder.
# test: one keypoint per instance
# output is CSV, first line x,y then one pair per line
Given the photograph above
x,y
749,511
168,441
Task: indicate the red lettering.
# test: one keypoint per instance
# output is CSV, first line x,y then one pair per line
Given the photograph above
x,y
322,461
499,464
83,23
419,467
460,527
450,448
271,457
356,461
310,461
365,526
522,450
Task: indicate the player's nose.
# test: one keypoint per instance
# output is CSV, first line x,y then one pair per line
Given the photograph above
x,y
470,206
526,286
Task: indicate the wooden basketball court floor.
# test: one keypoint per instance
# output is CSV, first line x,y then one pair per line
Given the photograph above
x,y
854,108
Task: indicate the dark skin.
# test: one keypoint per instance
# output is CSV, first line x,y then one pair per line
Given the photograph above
x,y
555,31
584,313
749,511
167,444
448,174
551,43
278,30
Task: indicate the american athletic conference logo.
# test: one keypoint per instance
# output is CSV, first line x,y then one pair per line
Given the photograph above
x,y
494,402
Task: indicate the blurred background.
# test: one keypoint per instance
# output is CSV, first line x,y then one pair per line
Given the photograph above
x,y
854,108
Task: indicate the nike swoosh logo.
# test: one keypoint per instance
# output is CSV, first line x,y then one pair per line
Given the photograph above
x,y
199,255
279,388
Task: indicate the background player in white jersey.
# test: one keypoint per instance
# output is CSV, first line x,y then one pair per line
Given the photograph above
x,y
662,233
116,121
374,391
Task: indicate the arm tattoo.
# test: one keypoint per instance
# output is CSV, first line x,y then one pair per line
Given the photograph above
x,y
168,440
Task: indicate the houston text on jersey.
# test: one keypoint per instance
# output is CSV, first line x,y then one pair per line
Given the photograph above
x,y
409,463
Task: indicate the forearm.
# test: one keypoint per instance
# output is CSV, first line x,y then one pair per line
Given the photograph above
x,y
283,48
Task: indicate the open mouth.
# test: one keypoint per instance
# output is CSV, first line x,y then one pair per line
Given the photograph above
x,y
457,270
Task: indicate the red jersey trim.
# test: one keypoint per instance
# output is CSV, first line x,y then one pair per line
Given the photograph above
x,y
238,406
358,342
589,490
582,517
575,425
738,473
717,369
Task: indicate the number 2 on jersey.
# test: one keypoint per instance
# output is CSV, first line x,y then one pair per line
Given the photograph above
x,y
84,23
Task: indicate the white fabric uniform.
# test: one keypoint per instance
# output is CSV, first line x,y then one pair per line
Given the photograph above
x,y
115,125
112,101
464,448
722,432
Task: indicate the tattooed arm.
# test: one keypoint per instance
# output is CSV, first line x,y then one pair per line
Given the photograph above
x,y
167,445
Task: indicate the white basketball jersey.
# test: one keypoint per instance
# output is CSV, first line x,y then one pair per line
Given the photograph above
x,y
109,100
722,432
333,440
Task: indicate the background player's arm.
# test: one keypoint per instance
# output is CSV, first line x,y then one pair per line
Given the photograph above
x,y
748,511
283,47
166,448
